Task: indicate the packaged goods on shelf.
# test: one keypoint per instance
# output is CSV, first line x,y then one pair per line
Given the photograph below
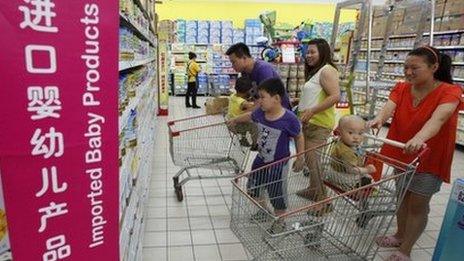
x,y
238,36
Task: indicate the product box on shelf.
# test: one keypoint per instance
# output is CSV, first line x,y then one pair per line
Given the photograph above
x,y
453,7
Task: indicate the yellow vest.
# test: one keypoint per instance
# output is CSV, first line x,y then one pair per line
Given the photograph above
x,y
235,103
192,71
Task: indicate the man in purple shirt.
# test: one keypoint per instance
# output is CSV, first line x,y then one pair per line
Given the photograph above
x,y
256,70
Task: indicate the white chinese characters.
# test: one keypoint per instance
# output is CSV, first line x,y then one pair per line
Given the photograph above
x,y
54,180
49,144
39,18
44,102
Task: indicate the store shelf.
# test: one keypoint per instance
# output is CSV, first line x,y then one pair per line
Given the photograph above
x,y
393,74
136,28
402,36
399,48
140,92
458,63
458,79
460,142
124,65
445,32
461,112
393,61
451,47
372,49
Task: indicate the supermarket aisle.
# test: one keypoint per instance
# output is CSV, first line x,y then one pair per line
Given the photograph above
x,y
198,228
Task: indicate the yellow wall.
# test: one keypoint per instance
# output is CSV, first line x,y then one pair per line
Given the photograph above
x,y
291,13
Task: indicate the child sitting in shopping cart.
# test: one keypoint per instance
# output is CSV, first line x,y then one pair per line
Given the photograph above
x,y
348,155
276,126
238,105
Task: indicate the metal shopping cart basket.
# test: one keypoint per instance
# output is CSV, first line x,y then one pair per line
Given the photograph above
x,y
206,144
342,226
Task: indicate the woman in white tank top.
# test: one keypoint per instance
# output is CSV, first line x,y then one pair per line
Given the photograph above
x,y
317,109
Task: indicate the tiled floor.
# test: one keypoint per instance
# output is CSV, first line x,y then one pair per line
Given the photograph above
x,y
198,227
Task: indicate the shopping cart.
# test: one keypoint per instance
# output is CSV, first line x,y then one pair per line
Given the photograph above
x,y
204,143
342,226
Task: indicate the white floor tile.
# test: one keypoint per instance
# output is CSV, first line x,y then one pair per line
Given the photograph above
x,y
196,201
184,253
203,237
226,236
220,210
200,223
154,254
232,252
175,224
220,221
156,224
154,239
177,212
179,238
207,253
198,211
156,212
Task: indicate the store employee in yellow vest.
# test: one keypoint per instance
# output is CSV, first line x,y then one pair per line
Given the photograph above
x,y
192,87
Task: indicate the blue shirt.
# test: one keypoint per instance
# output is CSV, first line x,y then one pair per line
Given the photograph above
x,y
262,71
274,136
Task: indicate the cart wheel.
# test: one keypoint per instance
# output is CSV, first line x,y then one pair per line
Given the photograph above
x,y
179,194
312,239
363,220
176,181
306,172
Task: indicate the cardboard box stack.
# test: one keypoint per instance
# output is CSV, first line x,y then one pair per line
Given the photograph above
x,y
253,30
203,32
214,32
191,32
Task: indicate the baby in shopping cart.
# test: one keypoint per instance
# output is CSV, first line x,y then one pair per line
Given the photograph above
x,y
348,155
276,127
238,105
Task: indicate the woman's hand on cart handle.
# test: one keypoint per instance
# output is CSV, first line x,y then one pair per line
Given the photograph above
x,y
414,145
306,115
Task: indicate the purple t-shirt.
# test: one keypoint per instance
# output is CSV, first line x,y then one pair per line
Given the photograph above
x,y
274,136
262,71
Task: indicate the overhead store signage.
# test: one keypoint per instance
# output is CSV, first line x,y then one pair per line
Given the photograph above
x,y
59,114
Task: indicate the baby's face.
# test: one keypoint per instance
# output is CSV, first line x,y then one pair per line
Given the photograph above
x,y
352,133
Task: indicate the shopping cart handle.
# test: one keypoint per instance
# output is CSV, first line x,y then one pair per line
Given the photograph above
x,y
393,143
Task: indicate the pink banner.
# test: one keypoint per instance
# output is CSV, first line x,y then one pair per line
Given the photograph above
x,y
59,140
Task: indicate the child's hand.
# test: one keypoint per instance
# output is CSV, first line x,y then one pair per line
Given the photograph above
x,y
371,169
231,123
298,164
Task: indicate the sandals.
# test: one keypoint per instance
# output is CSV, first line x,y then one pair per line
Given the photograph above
x,y
388,241
398,256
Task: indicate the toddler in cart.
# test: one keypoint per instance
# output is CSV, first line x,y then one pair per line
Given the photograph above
x,y
238,105
276,127
347,164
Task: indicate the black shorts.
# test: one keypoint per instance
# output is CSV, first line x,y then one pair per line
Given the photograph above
x,y
270,179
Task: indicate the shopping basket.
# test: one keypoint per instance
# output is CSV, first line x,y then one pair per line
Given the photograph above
x,y
342,226
206,144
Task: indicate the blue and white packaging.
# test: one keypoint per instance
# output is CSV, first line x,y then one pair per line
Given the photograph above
x,y
450,241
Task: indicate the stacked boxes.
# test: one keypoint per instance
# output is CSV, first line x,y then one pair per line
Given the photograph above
x,y
203,32
166,29
181,31
253,30
227,32
239,36
293,78
215,32
191,32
